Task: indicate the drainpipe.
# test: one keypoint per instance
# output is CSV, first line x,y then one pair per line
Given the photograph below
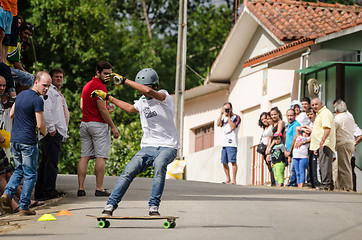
x,y
306,56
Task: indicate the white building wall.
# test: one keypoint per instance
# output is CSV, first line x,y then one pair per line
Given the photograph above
x,y
259,44
249,101
202,111
205,166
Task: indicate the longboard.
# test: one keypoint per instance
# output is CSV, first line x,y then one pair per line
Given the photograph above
x,y
104,223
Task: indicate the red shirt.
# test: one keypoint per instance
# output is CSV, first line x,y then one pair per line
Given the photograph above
x,y
90,110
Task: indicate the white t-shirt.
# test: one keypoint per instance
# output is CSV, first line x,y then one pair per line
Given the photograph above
x,y
230,137
302,151
267,133
157,120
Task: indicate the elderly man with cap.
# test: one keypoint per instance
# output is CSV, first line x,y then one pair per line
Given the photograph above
x,y
323,142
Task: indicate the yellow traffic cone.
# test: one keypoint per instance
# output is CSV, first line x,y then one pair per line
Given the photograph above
x,y
63,213
47,217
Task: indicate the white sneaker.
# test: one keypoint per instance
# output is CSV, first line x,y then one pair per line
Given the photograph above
x,y
153,211
108,210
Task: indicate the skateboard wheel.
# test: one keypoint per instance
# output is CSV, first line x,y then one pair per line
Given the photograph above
x,y
108,223
173,225
101,224
166,225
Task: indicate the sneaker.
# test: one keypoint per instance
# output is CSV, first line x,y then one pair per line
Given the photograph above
x,y
104,193
153,211
81,193
6,203
108,210
26,212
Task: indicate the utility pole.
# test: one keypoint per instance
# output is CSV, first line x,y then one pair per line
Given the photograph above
x,y
180,71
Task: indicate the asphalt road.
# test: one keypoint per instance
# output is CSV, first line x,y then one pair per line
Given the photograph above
x,y
206,211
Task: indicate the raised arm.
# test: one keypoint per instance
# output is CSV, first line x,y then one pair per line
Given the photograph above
x,y
231,123
219,123
147,91
124,105
119,103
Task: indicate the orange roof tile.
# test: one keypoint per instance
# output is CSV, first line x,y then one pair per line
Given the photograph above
x,y
293,20
299,23
287,48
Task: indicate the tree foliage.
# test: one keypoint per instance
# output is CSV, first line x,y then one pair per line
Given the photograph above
x,y
76,34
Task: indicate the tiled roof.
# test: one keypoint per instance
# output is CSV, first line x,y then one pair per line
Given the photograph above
x,y
293,20
298,23
287,48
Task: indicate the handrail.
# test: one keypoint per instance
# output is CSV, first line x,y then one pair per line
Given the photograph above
x,y
259,170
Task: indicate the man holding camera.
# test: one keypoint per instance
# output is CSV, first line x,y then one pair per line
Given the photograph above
x,y
230,127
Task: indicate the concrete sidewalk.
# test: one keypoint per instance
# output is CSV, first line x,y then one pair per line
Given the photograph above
x,y
206,211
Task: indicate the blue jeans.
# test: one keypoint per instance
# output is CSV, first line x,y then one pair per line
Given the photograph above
x,y
300,164
24,78
26,162
159,157
293,175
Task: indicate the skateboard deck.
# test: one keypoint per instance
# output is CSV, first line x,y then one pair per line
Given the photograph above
x,y
104,223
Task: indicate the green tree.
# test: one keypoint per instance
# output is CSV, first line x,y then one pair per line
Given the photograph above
x,y
76,34
208,28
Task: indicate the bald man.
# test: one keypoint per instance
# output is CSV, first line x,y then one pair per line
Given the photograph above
x,y
323,142
27,112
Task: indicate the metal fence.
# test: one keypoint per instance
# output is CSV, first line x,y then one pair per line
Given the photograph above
x,y
260,173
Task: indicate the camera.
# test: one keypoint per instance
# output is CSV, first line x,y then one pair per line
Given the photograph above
x,y
227,110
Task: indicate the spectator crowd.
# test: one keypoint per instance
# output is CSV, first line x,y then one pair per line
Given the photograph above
x,y
32,110
318,145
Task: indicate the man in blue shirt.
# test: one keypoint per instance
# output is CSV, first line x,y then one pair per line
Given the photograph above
x,y
27,112
290,133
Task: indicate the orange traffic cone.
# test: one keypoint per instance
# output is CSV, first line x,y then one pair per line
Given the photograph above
x,y
63,213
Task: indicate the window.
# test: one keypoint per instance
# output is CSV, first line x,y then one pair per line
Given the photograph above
x,y
204,137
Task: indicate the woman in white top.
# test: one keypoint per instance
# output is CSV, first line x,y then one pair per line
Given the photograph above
x,y
266,123
300,116
300,154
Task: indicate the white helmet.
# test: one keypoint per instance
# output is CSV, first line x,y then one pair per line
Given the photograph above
x,y
148,77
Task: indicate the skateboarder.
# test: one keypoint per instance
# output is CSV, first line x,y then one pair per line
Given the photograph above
x,y
159,143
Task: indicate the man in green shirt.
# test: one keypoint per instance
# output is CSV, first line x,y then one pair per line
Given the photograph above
x,y
14,57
